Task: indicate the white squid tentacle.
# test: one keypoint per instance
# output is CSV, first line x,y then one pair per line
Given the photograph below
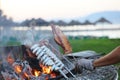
x,y
34,46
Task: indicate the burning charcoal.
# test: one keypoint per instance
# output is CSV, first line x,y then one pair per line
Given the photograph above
x,y
47,57
22,68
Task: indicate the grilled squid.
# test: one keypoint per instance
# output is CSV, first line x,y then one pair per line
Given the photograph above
x,y
47,57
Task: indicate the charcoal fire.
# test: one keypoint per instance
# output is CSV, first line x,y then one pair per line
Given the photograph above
x,y
47,57
41,61
20,69
36,72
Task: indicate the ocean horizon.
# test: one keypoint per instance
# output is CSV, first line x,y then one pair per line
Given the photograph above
x,y
110,31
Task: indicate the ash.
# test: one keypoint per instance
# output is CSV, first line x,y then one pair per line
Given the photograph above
x,y
101,73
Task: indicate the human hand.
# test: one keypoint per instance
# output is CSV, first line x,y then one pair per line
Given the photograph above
x,y
84,63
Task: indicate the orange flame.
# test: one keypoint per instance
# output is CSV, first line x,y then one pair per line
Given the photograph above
x,y
26,75
18,69
36,73
46,69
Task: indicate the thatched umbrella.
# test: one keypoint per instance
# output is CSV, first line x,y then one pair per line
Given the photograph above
x,y
102,20
87,23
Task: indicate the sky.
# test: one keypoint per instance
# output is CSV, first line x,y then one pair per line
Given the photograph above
x,y
54,9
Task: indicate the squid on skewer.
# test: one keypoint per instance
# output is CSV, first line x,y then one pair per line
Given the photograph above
x,y
48,58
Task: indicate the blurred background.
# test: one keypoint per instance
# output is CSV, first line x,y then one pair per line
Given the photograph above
x,y
97,22
88,24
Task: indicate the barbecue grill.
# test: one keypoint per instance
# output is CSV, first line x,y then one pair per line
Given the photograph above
x,y
20,55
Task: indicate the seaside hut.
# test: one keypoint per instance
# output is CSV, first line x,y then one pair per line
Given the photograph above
x,y
103,21
87,23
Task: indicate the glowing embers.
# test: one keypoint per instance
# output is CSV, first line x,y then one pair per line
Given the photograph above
x,y
21,70
46,69
18,69
36,72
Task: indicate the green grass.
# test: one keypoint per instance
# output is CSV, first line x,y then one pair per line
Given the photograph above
x,y
10,43
102,46
98,45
